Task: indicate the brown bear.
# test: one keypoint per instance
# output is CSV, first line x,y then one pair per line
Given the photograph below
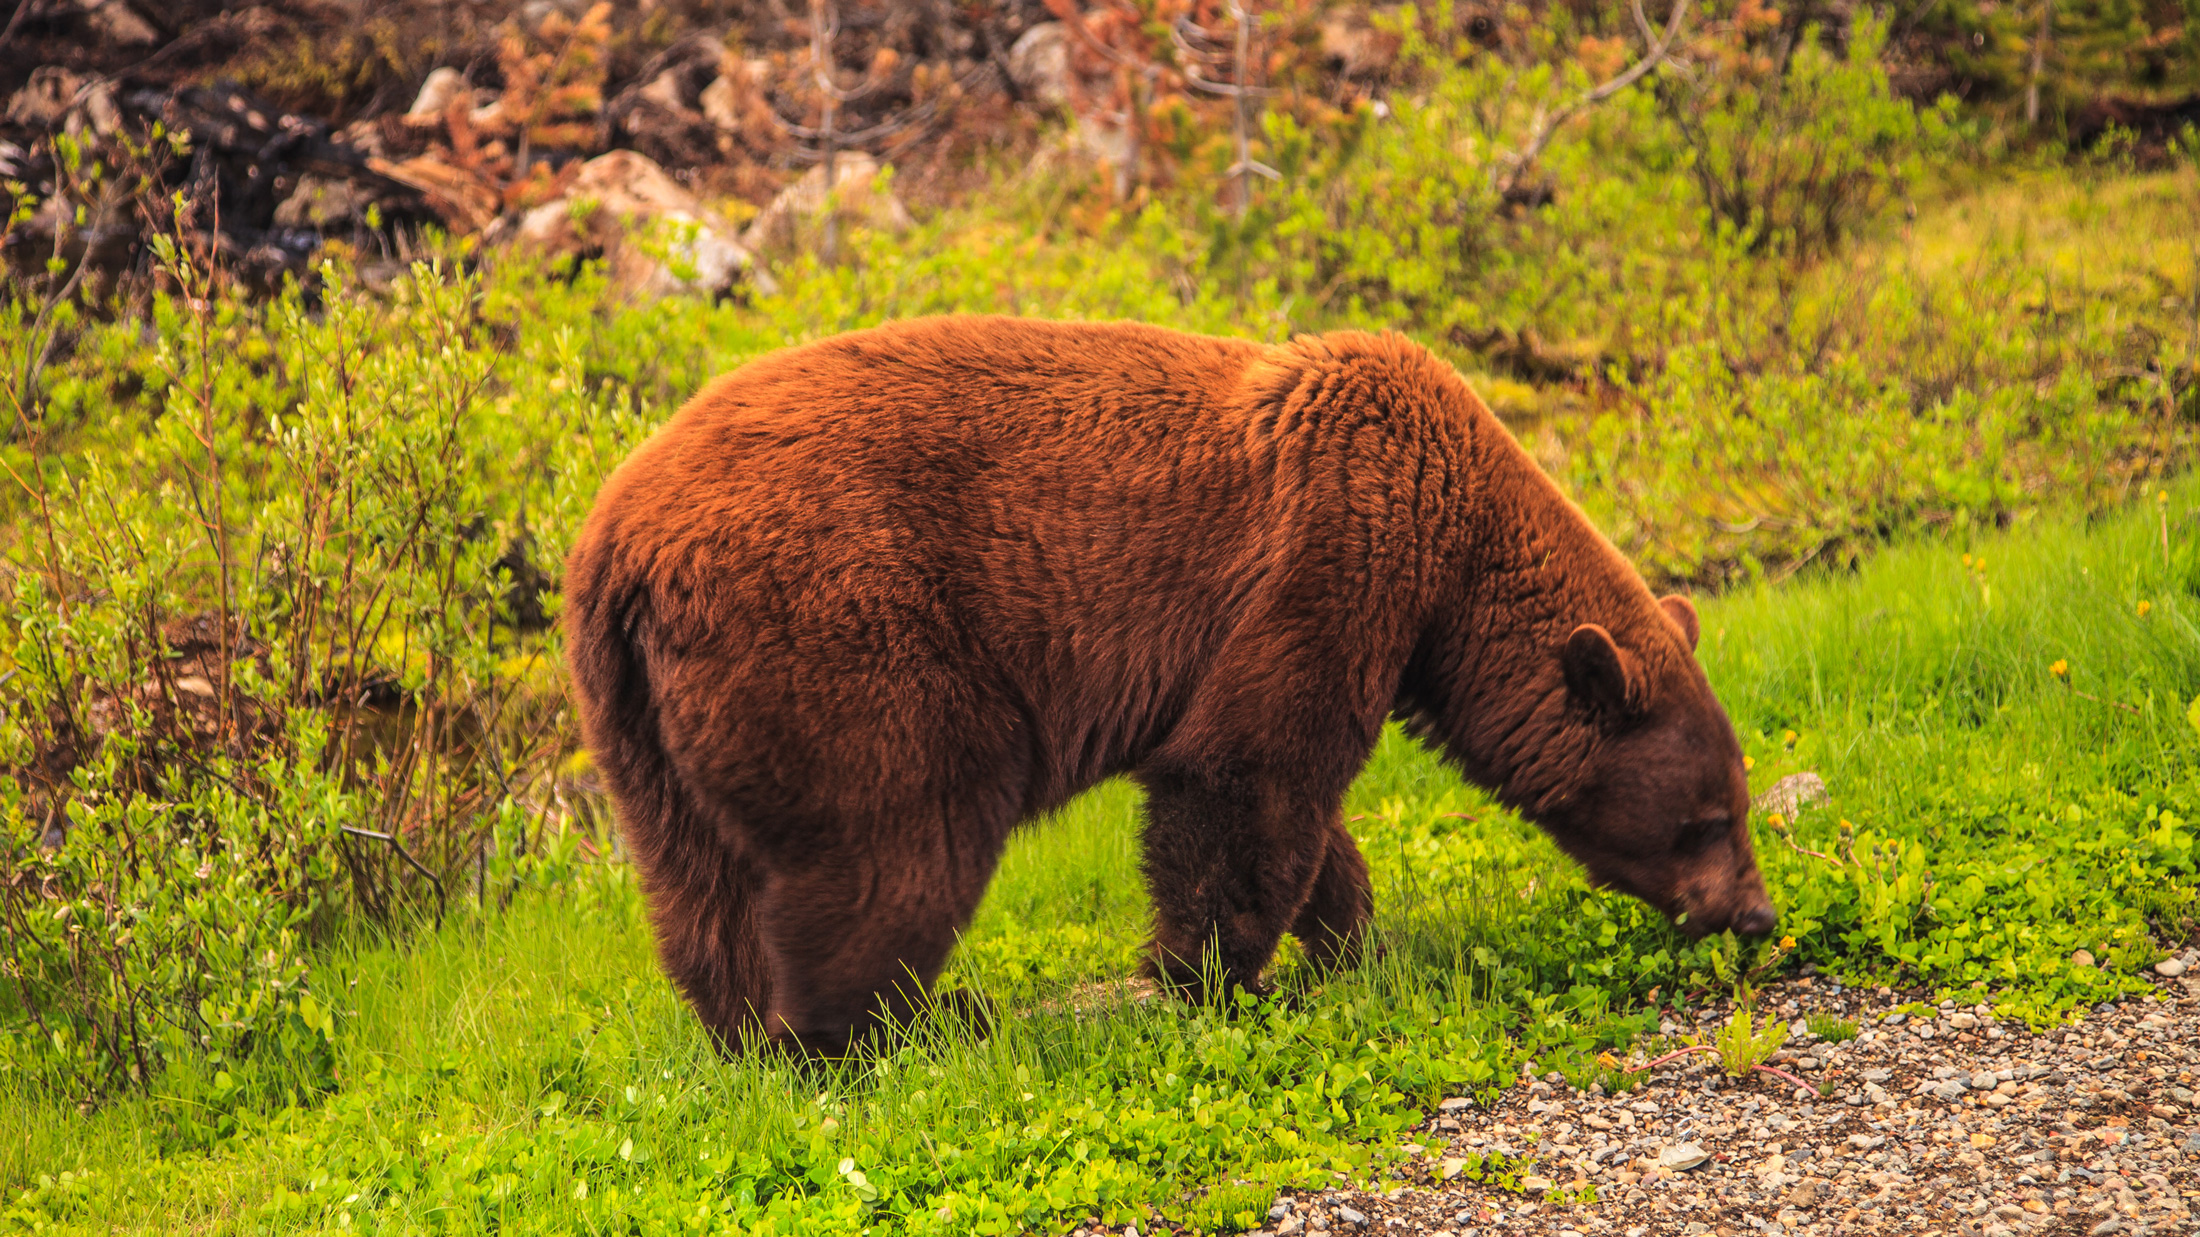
x,y
864,605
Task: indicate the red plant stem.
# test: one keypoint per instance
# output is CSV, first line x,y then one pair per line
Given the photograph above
x,y
1675,1056
1781,1073
1775,1072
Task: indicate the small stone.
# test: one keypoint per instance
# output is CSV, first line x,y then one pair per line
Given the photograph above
x,y
2081,958
1346,1215
1791,794
1683,1156
1595,1122
1949,1091
2105,1227
1291,1226
2170,968
436,95
1963,1021
1455,1105
1281,1209
1804,1196
1984,1080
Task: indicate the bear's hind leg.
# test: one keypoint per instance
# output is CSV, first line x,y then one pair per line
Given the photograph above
x,y
1334,920
702,900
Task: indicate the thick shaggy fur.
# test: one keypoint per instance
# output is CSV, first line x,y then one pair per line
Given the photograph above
x,y
864,605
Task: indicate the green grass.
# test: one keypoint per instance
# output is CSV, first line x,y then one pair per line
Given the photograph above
x,y
530,1071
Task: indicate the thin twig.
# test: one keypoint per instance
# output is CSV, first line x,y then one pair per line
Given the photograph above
x,y
1506,172
406,855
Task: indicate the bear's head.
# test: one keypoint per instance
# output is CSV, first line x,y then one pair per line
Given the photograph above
x,y
1659,807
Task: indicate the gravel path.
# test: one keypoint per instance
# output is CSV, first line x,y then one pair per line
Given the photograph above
x,y
1944,1125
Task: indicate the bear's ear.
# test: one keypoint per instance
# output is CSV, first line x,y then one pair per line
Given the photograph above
x,y
1683,613
1599,673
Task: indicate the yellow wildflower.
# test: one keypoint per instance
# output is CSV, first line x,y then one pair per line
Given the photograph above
x,y
2145,606
1787,942
2060,669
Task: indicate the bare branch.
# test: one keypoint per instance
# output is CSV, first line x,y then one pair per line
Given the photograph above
x,y
1505,173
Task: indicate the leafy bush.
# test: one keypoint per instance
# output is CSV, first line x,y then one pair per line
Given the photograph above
x,y
1793,145
176,923
286,634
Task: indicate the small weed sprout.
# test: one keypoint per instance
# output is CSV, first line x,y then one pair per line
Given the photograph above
x,y
1831,1029
1743,1046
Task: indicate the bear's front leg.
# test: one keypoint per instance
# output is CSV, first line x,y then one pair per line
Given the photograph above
x,y
1231,857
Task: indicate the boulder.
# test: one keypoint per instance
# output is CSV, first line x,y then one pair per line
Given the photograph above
x,y
790,222
658,238
117,24
1361,42
56,98
1039,64
435,98
45,99
323,202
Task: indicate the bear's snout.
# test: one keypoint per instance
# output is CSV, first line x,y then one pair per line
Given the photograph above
x,y
1756,921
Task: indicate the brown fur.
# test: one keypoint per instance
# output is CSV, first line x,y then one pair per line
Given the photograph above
x,y
864,605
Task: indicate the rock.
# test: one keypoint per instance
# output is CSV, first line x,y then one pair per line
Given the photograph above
x,y
1683,1156
2105,1227
1459,1104
1535,1185
623,197
1791,794
1963,1022
46,98
2081,958
1354,45
1805,1196
435,97
1290,1226
1949,1091
115,23
2170,968
1346,1215
1039,64
665,91
56,98
1984,1080
791,220
732,103
322,202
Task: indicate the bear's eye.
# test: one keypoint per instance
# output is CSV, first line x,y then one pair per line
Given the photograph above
x,y
1698,834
